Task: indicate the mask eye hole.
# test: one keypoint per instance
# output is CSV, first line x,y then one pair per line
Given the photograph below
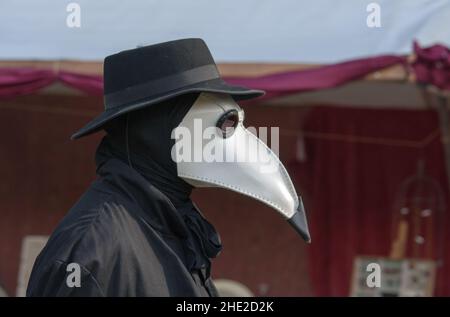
x,y
228,122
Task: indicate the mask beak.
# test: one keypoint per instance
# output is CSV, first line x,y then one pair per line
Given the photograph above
x,y
299,223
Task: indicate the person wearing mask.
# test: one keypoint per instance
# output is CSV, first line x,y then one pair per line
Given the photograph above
x,y
135,231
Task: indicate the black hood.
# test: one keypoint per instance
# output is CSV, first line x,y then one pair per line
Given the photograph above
x,y
142,139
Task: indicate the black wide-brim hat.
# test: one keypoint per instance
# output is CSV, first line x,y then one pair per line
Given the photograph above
x,y
143,76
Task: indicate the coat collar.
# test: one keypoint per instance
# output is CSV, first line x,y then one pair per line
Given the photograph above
x,y
152,204
201,240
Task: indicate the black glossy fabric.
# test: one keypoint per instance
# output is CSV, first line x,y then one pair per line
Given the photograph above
x,y
135,232
143,139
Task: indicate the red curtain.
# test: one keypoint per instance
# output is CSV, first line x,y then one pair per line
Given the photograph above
x,y
356,161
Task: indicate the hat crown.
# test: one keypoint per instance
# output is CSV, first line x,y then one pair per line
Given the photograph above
x,y
148,63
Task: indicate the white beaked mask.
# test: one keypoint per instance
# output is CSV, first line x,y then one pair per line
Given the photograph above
x,y
214,149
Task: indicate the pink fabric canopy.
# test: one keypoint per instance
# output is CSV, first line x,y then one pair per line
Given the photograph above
x,y
22,81
431,66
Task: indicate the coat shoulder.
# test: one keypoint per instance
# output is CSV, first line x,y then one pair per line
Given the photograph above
x,y
96,227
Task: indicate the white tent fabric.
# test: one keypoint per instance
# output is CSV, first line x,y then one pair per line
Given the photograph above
x,y
297,31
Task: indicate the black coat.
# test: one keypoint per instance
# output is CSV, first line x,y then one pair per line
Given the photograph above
x,y
128,240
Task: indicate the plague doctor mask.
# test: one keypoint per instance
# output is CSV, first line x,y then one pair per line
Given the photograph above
x,y
213,149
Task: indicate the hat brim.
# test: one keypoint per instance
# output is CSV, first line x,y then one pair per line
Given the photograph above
x,y
214,85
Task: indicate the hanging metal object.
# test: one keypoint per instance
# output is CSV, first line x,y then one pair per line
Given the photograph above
x,y
419,218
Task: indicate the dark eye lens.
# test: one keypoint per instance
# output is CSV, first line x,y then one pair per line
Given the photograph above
x,y
228,122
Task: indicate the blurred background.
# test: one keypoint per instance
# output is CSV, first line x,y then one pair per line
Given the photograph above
x,y
359,90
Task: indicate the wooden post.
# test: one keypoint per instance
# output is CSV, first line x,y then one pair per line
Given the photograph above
x,y
444,122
